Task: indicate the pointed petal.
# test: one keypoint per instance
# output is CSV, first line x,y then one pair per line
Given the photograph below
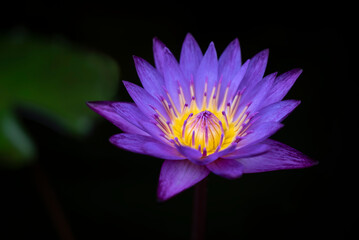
x,y
105,109
144,101
255,69
174,78
259,132
191,56
278,111
145,145
158,53
207,72
248,151
256,95
280,156
196,157
229,62
282,85
177,176
233,84
132,114
228,168
150,78
190,153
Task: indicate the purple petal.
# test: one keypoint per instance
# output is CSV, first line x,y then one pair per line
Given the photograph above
x,y
280,156
105,109
145,145
144,101
158,53
259,132
278,111
260,92
191,56
132,114
207,72
234,83
177,176
150,78
190,153
174,78
196,156
248,151
282,85
229,63
256,95
228,168
255,69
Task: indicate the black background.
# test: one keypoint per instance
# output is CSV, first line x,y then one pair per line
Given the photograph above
x,y
107,193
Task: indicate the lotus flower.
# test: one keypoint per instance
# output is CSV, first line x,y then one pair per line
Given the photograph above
x,y
204,114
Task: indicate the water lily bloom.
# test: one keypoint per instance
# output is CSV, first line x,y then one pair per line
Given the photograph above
x,y
205,114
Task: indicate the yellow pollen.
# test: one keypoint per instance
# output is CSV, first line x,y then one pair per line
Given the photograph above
x,y
206,129
209,127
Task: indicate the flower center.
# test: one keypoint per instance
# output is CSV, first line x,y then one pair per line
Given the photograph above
x,y
203,130
209,127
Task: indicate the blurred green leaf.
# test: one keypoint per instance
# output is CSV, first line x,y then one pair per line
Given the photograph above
x,y
53,78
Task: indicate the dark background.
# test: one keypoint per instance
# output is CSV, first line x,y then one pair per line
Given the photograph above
x,y
107,193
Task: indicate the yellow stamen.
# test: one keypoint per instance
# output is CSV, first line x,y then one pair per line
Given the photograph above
x,y
209,128
172,104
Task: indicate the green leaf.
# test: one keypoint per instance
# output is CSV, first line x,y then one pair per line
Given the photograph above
x,y
51,77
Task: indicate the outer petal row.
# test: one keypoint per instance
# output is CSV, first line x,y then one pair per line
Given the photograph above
x,y
282,85
207,73
177,176
255,70
106,109
144,101
278,111
279,157
229,63
145,145
196,157
150,78
191,57
227,168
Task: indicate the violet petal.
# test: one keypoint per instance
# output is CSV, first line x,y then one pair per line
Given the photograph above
x,y
206,72
279,157
174,78
158,54
255,69
278,111
196,156
145,145
105,109
191,57
190,153
228,168
256,95
144,101
259,132
177,176
234,83
150,78
282,85
229,64
132,114
248,151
